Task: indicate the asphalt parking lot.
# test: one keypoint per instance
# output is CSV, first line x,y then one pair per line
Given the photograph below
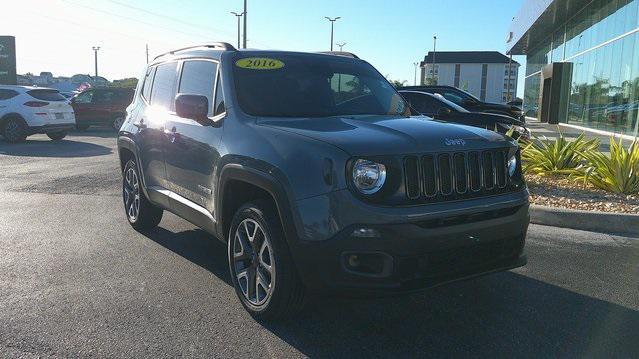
x,y
77,281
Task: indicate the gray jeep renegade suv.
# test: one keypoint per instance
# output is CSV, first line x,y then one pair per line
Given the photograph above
x,y
312,170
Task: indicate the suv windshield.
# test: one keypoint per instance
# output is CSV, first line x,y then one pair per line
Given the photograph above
x,y
299,85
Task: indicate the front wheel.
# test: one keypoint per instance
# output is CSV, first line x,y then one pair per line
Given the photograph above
x,y
140,213
56,136
261,265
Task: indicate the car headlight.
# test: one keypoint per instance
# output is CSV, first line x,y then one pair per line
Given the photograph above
x,y
512,165
368,176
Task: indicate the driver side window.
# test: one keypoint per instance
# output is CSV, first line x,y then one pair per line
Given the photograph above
x,y
453,98
347,87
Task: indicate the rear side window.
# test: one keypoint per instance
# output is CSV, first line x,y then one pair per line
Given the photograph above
x,y
7,94
198,78
148,82
163,91
47,95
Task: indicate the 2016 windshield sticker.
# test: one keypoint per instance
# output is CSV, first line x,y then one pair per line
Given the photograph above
x,y
259,63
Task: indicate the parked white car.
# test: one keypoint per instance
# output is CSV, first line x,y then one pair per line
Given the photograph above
x,y
28,110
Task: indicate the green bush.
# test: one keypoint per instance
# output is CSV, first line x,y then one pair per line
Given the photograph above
x,y
618,173
559,156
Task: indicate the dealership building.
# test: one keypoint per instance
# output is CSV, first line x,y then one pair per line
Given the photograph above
x,y
582,62
489,75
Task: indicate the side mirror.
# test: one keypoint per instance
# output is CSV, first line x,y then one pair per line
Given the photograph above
x,y
444,112
194,107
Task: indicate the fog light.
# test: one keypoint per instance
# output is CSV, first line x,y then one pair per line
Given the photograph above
x,y
353,261
366,233
376,264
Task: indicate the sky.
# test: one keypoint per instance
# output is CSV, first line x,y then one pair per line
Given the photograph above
x,y
58,35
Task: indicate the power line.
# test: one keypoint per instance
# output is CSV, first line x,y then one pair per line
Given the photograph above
x,y
133,19
199,27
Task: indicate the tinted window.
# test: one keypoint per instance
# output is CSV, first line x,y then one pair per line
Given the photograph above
x,y
103,97
198,78
309,86
148,82
219,97
423,103
452,97
7,94
85,97
46,95
163,92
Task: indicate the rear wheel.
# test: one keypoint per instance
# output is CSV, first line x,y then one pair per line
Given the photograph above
x,y
261,266
140,213
57,136
14,130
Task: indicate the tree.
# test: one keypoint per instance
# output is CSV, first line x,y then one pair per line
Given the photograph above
x,y
130,82
397,83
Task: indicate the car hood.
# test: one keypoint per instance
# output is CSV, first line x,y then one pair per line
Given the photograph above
x,y
500,107
486,119
389,135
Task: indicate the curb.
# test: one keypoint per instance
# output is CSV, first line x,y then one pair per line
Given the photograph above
x,y
618,223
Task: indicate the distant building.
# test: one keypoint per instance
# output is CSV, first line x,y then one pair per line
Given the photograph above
x,y
582,62
484,74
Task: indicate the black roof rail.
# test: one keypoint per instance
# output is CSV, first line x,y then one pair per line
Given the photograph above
x,y
339,53
213,45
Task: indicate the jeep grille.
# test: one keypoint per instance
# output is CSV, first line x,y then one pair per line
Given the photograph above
x,y
456,175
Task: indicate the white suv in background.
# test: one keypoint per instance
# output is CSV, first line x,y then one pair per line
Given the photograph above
x,y
28,110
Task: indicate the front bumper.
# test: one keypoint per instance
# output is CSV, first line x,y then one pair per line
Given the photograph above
x,y
424,251
61,127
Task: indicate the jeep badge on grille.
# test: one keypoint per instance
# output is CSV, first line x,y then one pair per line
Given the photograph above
x,y
454,142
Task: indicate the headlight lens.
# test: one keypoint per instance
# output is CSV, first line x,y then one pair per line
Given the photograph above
x,y
368,176
512,165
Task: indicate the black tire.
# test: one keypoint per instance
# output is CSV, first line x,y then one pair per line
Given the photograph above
x,y
147,215
81,127
14,130
56,136
287,293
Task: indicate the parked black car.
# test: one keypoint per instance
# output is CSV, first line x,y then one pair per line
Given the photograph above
x,y
101,107
439,108
311,169
470,102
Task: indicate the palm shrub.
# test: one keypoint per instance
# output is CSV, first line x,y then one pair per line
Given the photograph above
x,y
618,173
542,156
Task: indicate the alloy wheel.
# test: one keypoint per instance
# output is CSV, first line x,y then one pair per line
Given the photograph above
x,y
253,263
131,194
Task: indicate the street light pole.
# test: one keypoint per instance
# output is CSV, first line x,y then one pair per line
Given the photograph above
x,y
244,13
95,52
434,51
238,26
415,78
341,46
332,23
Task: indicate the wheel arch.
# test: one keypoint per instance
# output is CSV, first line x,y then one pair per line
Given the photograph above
x,y
9,115
240,184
